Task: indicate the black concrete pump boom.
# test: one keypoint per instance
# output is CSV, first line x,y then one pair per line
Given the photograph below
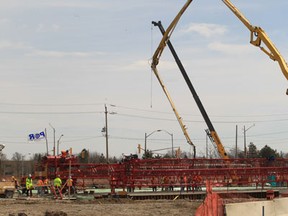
x,y
211,132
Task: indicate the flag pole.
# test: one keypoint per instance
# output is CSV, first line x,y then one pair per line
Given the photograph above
x,y
46,141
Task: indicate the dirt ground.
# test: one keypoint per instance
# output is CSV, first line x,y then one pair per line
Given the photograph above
x,y
103,207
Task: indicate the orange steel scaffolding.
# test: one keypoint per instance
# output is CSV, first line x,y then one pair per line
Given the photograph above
x,y
187,174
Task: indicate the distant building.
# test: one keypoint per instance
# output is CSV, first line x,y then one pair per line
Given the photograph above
x,y
16,168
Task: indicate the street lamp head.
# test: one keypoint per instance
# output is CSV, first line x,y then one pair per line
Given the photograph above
x,y
166,132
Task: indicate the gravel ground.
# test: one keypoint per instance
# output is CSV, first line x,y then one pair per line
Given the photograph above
x,y
109,206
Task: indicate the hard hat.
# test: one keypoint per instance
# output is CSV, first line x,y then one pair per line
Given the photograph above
x,y
29,175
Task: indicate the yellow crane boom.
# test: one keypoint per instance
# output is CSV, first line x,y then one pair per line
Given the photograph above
x,y
257,36
155,61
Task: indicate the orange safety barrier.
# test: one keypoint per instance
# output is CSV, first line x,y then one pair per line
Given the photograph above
x,y
212,205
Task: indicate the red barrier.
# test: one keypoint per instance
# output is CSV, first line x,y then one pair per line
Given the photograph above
x,y
212,205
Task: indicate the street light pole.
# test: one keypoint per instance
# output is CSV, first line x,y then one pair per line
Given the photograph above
x,y
245,147
172,142
146,136
171,134
54,148
58,142
22,164
145,143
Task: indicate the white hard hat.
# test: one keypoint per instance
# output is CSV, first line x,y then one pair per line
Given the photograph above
x,y
30,175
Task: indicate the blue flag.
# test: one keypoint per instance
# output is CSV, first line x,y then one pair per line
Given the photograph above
x,y
36,136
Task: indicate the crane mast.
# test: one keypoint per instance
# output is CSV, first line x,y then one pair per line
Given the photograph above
x,y
211,132
155,61
257,36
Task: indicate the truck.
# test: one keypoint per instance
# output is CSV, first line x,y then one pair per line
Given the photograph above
x,y
7,189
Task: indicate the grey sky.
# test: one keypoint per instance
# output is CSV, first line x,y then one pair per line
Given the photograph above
x,y
62,61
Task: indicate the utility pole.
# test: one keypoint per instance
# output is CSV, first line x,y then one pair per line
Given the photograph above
x,y
106,134
245,148
105,130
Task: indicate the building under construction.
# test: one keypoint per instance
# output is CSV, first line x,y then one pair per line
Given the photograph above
x,y
188,175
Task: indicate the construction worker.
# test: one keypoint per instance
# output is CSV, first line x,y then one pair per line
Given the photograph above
x,y
69,183
46,184
40,186
46,181
57,186
154,183
57,182
16,184
23,185
29,185
171,184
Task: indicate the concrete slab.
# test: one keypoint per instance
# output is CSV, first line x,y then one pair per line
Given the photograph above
x,y
276,207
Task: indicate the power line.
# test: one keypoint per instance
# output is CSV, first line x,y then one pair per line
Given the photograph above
x,y
56,105
50,113
139,109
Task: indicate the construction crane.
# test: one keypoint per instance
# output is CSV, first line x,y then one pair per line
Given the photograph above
x,y
155,61
257,36
211,132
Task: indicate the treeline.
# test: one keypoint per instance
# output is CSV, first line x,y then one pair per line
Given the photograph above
x,y
86,156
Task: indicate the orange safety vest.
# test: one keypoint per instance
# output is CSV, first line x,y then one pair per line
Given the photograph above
x,y
40,182
69,182
46,182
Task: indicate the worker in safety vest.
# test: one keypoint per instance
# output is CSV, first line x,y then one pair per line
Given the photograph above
x,y
57,182
46,181
46,184
69,184
29,185
40,188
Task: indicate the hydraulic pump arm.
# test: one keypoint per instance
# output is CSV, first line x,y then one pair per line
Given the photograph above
x,y
211,132
166,36
257,36
155,61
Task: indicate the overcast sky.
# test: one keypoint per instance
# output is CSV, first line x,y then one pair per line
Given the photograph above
x,y
62,61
